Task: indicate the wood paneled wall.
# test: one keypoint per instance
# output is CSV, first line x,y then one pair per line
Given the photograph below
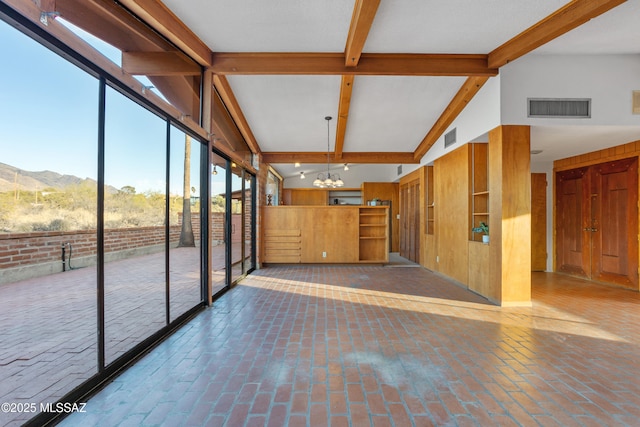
x,y
418,178
451,175
510,220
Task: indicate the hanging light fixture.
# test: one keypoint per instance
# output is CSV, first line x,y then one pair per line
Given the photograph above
x,y
302,175
328,180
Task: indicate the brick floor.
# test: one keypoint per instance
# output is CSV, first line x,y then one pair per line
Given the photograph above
x,y
380,346
48,329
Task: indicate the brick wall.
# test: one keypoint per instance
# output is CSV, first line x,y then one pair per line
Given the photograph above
x,y
21,249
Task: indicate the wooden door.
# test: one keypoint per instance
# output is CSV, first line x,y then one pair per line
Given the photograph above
x,y
572,241
597,222
410,221
538,222
614,222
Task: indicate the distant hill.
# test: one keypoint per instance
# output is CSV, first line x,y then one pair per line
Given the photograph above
x,y
31,181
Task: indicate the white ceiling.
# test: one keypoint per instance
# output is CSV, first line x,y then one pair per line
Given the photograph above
x,y
286,112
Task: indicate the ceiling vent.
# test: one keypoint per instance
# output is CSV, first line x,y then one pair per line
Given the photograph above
x,y
559,107
450,138
399,169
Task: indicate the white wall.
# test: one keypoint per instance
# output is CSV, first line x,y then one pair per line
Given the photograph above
x,y
479,117
571,76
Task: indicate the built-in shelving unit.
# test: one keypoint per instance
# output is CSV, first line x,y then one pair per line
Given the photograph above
x,y
373,234
479,188
430,198
345,196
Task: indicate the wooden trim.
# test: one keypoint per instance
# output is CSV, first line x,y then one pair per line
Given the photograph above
x,y
623,151
388,64
207,102
565,19
355,157
159,64
160,18
364,12
113,24
226,94
346,86
468,90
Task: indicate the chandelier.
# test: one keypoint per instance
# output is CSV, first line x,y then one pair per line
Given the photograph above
x,y
328,180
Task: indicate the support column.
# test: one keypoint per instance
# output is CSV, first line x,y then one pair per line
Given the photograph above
x,y
510,215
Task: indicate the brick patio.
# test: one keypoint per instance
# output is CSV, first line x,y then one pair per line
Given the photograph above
x,y
370,345
48,329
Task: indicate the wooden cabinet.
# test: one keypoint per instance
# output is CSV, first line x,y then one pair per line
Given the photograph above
x,y
374,234
283,245
325,234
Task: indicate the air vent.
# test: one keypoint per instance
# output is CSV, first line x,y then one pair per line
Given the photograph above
x,y
560,107
450,138
399,169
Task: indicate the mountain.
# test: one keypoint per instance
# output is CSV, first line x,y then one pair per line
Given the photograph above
x,y
10,177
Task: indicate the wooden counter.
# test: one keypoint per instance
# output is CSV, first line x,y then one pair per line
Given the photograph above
x,y
325,234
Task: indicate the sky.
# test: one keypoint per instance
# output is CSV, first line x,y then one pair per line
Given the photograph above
x,y
49,121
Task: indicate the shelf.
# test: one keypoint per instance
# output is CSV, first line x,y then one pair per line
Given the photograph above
x,y
479,185
373,236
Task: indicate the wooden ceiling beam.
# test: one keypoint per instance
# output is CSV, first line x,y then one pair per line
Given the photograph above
x,y
346,86
155,14
226,94
159,64
111,23
364,11
386,64
351,157
565,19
468,90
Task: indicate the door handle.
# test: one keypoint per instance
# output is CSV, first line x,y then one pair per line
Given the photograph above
x,y
590,229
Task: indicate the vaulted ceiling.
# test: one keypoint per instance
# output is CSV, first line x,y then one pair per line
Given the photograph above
x,y
392,74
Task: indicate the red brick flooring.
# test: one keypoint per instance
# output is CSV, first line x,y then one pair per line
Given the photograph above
x,y
48,331
380,346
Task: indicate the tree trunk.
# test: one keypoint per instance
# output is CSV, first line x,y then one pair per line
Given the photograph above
x,y
186,233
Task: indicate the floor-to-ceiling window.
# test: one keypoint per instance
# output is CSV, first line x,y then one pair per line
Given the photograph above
x,y
101,200
48,187
106,207
134,202
242,220
249,230
219,167
185,213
